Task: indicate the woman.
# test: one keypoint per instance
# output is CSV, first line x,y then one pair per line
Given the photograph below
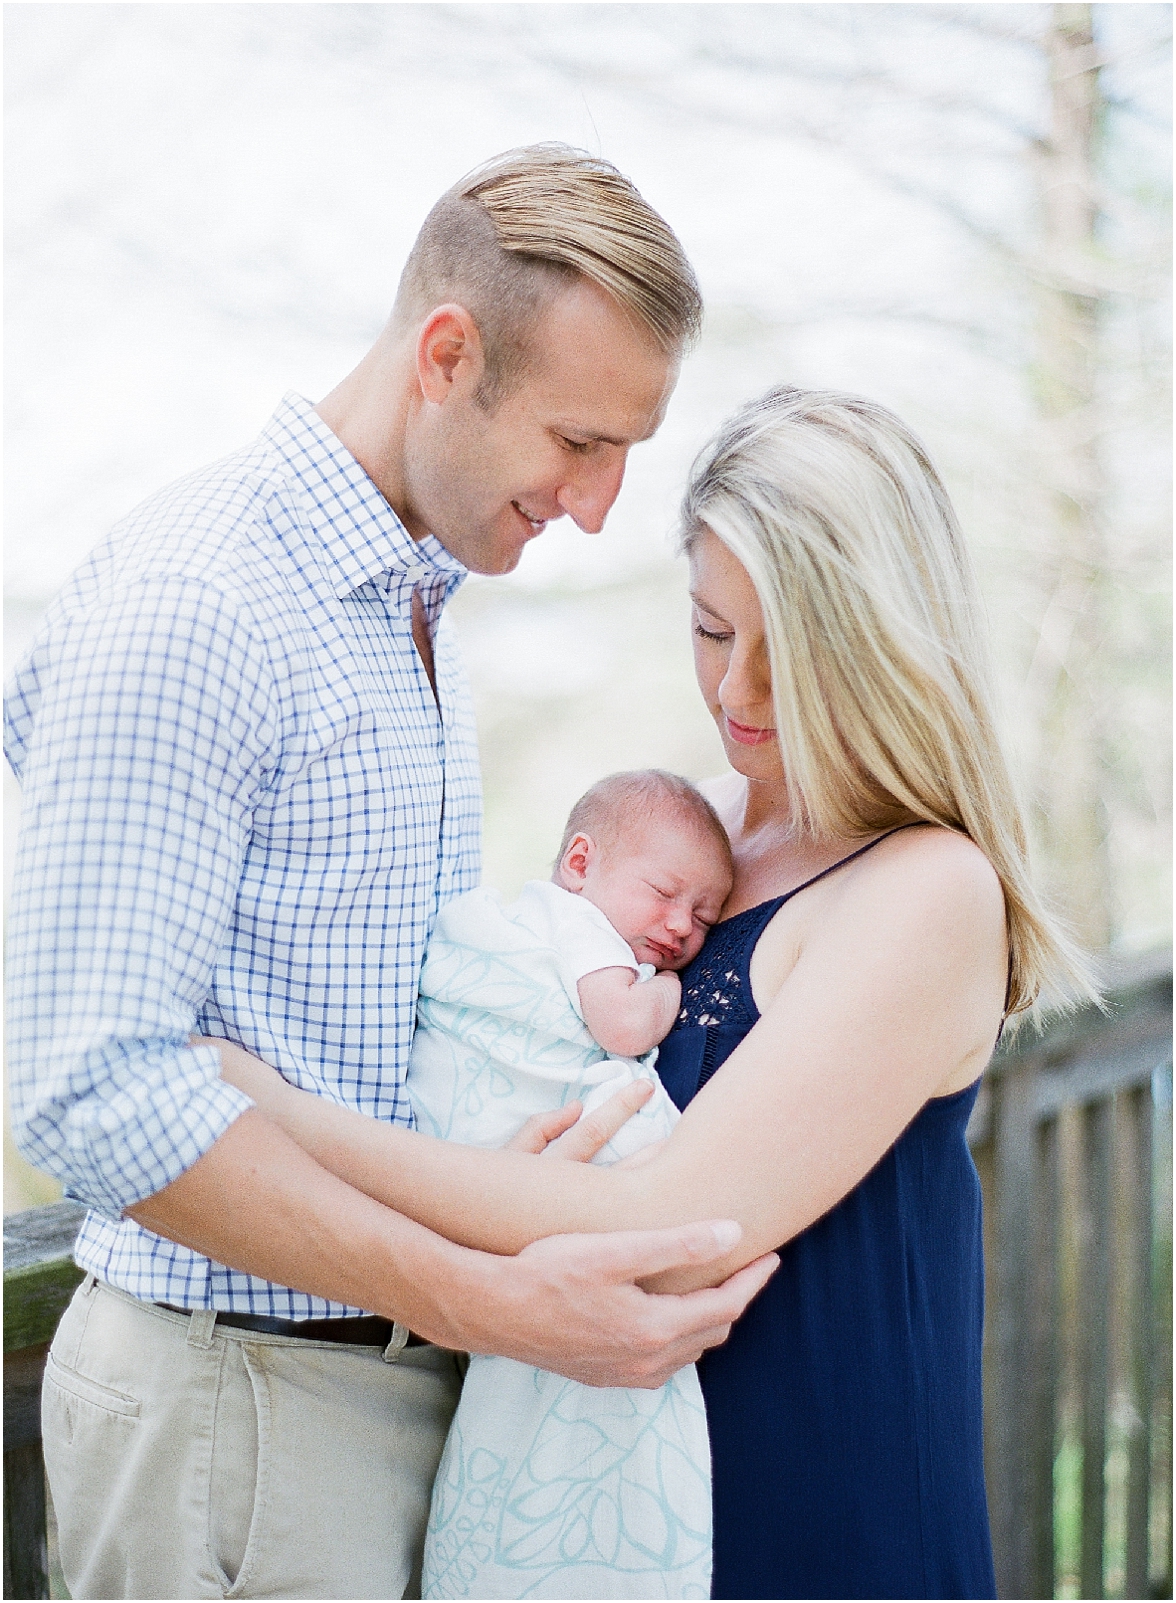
x,y
835,1025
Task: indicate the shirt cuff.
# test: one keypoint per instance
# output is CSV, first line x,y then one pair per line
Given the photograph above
x,y
126,1162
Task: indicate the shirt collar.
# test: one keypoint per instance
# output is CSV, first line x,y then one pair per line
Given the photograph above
x,y
362,538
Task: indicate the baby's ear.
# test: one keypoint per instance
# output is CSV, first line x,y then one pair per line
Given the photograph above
x,y
572,868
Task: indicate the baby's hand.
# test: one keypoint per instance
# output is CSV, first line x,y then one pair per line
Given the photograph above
x,y
626,1018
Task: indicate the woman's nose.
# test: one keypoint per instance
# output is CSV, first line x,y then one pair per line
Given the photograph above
x,y
747,684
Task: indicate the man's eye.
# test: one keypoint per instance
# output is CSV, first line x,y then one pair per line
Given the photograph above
x,y
579,446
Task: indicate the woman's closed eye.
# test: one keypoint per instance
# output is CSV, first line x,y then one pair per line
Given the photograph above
x,y
710,625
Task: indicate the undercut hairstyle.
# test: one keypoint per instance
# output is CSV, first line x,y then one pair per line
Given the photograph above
x,y
621,804
877,643
510,235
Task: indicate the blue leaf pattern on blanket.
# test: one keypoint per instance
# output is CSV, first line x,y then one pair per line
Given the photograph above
x,y
547,1488
608,1498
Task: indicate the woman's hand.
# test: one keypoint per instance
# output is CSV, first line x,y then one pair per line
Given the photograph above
x,y
565,1134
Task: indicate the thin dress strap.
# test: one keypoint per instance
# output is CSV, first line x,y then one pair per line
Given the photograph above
x,y
841,862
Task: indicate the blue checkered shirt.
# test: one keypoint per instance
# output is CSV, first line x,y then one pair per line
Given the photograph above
x,y
242,810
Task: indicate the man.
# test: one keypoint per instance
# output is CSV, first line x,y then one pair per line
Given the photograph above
x,y
250,782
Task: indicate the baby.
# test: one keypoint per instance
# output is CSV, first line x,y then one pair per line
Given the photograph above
x,y
549,1488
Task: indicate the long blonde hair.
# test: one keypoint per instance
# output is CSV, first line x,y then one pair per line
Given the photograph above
x,y
877,642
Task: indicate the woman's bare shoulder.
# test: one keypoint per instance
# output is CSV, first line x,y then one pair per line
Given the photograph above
x,y
942,859
925,882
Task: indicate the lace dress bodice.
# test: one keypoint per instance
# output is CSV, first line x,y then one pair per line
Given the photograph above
x,y
716,987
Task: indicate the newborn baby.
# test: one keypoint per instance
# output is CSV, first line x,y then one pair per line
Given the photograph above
x,y
549,1488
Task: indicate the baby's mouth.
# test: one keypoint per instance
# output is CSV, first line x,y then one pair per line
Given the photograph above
x,y
665,955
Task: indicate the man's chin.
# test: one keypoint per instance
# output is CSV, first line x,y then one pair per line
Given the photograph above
x,y
490,558
499,556
497,563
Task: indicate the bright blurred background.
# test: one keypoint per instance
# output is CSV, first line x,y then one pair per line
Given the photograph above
x,y
959,210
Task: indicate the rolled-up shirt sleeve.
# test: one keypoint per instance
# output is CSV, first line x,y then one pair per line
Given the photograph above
x,y
143,728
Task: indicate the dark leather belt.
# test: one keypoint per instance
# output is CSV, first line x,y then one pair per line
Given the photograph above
x,y
367,1331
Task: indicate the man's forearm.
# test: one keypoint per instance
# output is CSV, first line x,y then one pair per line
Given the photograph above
x,y
257,1202
439,1182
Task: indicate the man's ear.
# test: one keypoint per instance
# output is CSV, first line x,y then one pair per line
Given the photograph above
x,y
449,353
575,863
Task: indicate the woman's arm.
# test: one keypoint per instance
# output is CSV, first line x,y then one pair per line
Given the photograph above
x,y
898,986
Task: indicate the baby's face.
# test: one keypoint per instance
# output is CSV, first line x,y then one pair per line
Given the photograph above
x,y
662,890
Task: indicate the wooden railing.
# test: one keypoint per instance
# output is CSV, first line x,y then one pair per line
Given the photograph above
x,y
1072,1136
1073,1139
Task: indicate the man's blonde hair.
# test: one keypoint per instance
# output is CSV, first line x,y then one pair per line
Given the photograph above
x,y
877,641
508,236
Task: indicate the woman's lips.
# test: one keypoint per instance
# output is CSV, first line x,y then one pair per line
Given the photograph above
x,y
746,735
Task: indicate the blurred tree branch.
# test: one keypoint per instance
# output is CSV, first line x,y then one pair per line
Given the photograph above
x,y
830,86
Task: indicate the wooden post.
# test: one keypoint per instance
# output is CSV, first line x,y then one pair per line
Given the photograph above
x,y
1093,1346
39,1279
1045,1314
1139,1178
1161,1582
1038,1090
1009,1483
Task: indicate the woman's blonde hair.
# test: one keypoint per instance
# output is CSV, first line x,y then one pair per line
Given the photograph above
x,y
877,642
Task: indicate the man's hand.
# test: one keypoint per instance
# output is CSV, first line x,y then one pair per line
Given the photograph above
x,y
574,1304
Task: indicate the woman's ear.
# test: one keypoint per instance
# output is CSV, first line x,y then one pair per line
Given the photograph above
x,y
449,353
575,863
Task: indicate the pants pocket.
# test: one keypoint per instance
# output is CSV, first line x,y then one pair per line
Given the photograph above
x,y
89,1432
72,1395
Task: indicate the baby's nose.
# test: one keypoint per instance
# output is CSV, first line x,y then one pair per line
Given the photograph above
x,y
679,920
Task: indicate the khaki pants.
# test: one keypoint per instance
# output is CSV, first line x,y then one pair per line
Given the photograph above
x,y
191,1460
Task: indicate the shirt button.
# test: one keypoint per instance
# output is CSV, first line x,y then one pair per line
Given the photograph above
x,y
414,571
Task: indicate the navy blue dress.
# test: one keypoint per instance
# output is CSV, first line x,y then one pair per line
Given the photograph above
x,y
845,1410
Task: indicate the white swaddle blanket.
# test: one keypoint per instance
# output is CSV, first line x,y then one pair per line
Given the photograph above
x,y
548,1488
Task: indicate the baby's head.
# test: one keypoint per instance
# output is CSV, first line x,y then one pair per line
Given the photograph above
x,y
648,850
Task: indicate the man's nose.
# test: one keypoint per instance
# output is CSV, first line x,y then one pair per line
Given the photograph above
x,y
587,497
